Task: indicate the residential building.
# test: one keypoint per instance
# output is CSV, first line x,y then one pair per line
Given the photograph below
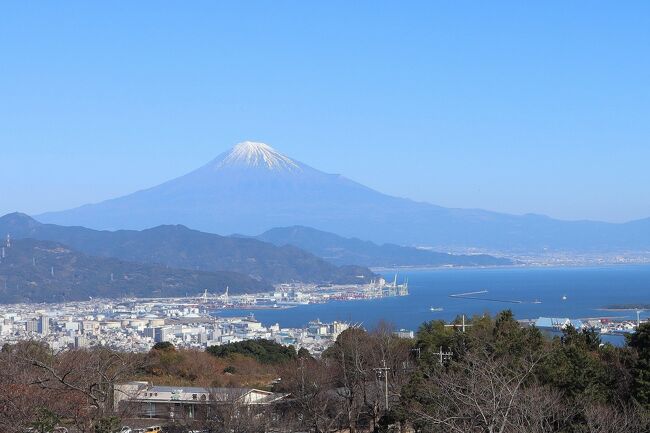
x,y
144,400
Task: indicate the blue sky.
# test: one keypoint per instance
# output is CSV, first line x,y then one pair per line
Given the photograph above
x,y
508,106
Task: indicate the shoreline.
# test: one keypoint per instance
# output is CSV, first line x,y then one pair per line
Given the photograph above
x,y
519,266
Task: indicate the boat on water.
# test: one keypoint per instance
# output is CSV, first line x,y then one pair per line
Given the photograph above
x,y
436,309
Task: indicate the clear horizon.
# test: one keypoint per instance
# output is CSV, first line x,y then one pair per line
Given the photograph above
x,y
511,108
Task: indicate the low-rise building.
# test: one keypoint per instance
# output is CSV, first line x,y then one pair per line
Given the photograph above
x,y
144,400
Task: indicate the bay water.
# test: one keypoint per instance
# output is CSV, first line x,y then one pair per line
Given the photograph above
x,y
530,292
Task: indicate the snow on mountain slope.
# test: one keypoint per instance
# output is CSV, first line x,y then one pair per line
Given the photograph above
x,y
256,154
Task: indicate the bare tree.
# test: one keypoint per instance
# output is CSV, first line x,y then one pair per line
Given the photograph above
x,y
390,359
314,402
621,418
83,380
229,410
480,393
348,357
21,403
540,409
371,371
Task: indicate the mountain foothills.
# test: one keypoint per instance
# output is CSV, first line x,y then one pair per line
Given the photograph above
x,y
182,248
43,258
43,271
253,188
339,250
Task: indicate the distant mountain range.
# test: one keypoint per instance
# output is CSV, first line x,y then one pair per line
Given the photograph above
x,y
51,263
43,271
253,188
339,250
183,248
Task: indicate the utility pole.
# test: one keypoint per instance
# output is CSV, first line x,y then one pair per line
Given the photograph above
x,y
443,355
407,364
383,371
462,326
302,375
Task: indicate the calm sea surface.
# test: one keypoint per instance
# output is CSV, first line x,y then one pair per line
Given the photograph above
x,y
586,289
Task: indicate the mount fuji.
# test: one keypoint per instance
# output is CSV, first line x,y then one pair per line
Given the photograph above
x,y
253,188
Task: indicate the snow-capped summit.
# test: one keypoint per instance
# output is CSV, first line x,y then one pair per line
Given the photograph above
x,y
255,154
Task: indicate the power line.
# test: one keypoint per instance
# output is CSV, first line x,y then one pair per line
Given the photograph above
x,y
443,355
462,325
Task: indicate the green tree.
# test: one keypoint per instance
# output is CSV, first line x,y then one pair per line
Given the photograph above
x,y
510,339
489,383
264,351
45,421
575,367
164,345
430,337
640,342
107,425
304,353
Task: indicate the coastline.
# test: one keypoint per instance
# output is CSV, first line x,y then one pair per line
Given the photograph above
x,y
428,268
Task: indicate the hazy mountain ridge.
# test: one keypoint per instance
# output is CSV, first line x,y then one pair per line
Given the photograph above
x,y
338,250
183,248
233,195
43,271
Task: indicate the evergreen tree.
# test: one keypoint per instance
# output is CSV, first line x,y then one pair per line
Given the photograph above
x,y
640,341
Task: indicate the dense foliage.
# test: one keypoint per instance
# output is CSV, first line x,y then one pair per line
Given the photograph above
x,y
503,377
164,345
640,342
264,351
